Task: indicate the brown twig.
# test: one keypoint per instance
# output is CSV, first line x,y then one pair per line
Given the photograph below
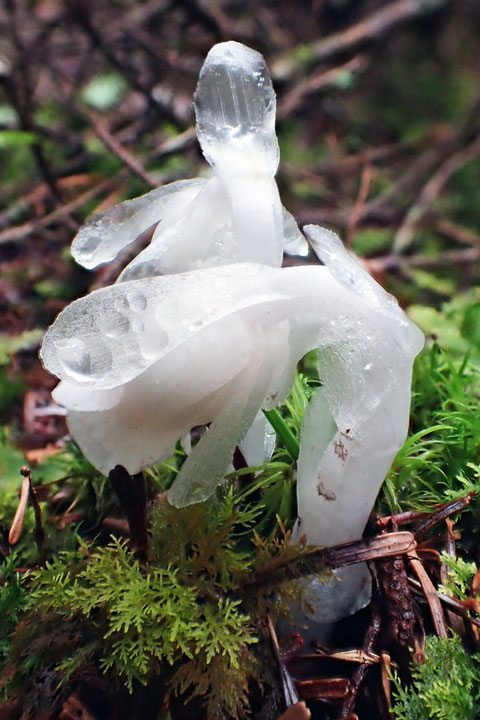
x,y
324,688
373,27
454,621
353,656
360,672
27,492
117,149
39,533
449,257
81,14
450,603
385,671
289,691
19,88
389,544
430,191
442,513
19,233
318,559
430,593
363,191
319,81
460,234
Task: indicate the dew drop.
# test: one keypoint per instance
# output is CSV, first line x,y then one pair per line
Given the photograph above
x,y
114,324
151,344
75,358
121,303
138,326
137,301
89,244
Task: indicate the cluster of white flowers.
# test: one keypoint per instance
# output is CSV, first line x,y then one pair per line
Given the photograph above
x,y
205,326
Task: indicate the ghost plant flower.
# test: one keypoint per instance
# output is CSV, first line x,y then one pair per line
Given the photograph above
x,y
235,215
142,362
218,338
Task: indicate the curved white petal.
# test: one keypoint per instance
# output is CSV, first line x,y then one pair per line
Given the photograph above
x,y
235,216
347,270
186,388
114,334
355,424
201,237
293,241
206,465
105,234
78,397
259,443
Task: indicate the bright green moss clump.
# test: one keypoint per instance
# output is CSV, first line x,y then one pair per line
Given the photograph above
x,y
445,687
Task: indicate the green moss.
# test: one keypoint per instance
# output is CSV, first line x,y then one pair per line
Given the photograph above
x,y
445,687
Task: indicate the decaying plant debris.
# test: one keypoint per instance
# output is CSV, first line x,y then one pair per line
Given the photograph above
x,y
402,612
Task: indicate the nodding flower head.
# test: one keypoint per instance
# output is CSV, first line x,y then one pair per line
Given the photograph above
x,y
233,216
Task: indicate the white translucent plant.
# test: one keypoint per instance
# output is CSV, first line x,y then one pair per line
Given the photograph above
x,y
235,215
145,360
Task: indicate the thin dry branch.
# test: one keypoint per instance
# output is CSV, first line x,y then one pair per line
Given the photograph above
x,y
360,672
450,603
131,162
448,257
19,233
431,191
430,594
363,191
460,234
314,559
373,27
18,84
319,81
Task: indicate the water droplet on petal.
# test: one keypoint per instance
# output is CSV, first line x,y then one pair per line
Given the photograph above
x,y
114,325
137,301
138,326
152,343
75,358
121,303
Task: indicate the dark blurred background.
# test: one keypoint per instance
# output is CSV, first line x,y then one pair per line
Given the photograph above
x,y
378,122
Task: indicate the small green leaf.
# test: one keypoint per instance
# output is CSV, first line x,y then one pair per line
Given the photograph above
x,y
471,324
13,343
104,91
8,115
16,138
